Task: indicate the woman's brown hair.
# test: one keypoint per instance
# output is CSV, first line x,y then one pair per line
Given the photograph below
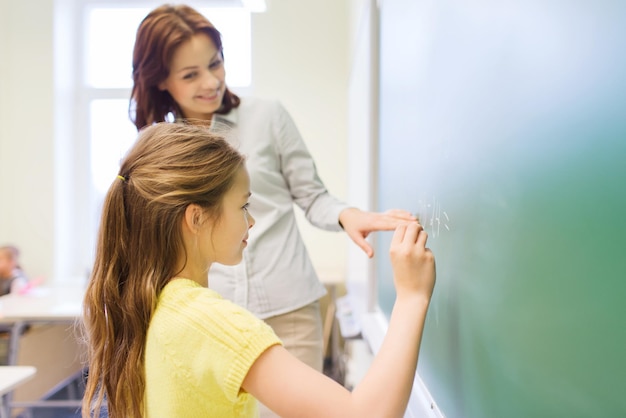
x,y
139,244
160,33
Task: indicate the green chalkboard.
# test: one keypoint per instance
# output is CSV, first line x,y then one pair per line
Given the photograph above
x,y
503,124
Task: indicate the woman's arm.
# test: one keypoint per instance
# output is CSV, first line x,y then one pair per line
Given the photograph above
x,y
293,389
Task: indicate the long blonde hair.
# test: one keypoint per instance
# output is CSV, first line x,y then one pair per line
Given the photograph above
x,y
170,167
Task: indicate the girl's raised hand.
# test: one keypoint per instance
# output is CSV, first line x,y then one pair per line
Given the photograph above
x,y
412,262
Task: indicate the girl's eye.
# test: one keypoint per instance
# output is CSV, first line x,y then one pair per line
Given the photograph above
x,y
189,76
245,207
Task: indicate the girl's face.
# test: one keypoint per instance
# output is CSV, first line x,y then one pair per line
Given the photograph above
x,y
196,78
224,241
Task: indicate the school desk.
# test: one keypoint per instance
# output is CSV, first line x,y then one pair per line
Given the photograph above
x,y
10,378
55,305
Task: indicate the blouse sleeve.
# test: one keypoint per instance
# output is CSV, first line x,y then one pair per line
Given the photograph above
x,y
298,168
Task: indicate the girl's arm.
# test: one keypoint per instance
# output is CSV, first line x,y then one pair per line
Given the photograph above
x,y
292,389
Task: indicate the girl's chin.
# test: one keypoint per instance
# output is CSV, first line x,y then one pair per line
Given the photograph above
x,y
232,262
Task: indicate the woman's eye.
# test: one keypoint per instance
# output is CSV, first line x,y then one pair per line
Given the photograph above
x,y
245,207
189,76
215,64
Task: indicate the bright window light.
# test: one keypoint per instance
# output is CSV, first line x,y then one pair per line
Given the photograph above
x,y
109,46
112,133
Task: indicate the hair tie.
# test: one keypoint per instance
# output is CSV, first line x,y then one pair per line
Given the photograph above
x,y
121,177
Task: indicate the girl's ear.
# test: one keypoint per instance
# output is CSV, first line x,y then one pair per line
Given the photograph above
x,y
193,217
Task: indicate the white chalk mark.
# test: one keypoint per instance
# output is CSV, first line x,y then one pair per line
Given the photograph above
x,y
429,215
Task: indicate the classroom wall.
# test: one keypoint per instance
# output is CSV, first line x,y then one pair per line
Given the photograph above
x,y
26,132
362,137
300,56
3,53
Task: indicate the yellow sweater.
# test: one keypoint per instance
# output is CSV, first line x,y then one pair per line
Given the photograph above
x,y
198,351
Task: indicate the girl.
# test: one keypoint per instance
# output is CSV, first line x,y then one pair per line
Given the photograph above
x,y
179,74
162,344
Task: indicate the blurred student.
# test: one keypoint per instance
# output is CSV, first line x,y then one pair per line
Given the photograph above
x,y
162,344
12,277
179,75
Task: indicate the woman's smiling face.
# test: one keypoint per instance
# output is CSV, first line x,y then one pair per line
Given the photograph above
x,y
196,80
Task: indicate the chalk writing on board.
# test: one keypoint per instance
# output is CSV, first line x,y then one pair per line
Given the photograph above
x,y
433,218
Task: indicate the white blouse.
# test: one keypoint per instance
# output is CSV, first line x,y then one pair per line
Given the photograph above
x,y
276,275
